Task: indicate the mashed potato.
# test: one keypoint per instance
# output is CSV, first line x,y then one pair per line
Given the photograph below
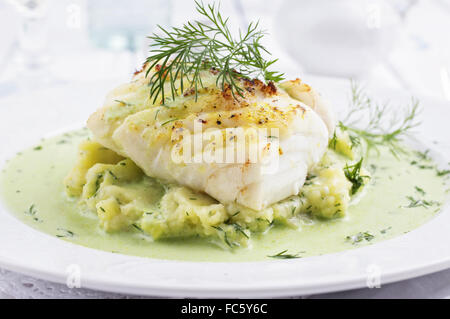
x,y
126,199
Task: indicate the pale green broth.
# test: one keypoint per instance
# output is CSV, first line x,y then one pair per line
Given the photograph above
x,y
33,190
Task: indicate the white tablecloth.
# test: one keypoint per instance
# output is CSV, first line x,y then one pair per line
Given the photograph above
x,y
437,285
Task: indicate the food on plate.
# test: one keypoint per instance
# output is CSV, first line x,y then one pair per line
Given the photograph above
x,y
137,135
207,146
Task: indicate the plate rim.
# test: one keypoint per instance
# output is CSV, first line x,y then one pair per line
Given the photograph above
x,y
174,290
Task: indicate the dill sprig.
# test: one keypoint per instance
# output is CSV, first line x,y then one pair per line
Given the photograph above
x,y
413,203
182,53
353,174
384,127
65,233
284,255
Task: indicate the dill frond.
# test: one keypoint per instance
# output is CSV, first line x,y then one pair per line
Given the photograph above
x,y
385,125
182,53
284,255
353,174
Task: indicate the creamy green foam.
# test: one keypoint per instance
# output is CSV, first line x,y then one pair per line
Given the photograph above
x,y
32,188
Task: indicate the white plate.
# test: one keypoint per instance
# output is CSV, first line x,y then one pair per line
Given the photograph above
x,y
23,249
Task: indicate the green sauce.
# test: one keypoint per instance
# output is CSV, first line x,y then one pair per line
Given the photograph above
x,y
402,195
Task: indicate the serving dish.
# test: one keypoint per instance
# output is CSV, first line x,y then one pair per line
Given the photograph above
x,y
26,250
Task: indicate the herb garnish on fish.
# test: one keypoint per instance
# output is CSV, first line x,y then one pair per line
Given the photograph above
x,y
180,54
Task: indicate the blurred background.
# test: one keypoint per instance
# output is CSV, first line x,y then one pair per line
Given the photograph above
x,y
401,44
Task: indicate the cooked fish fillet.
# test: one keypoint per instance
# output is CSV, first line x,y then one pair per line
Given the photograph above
x,y
150,134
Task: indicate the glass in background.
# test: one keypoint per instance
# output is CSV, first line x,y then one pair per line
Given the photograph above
x,y
402,7
124,25
29,62
338,38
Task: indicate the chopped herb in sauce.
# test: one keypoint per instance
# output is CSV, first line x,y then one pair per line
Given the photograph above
x,y
420,190
284,255
225,236
239,229
413,203
359,237
424,156
64,233
443,172
31,210
138,228
422,166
